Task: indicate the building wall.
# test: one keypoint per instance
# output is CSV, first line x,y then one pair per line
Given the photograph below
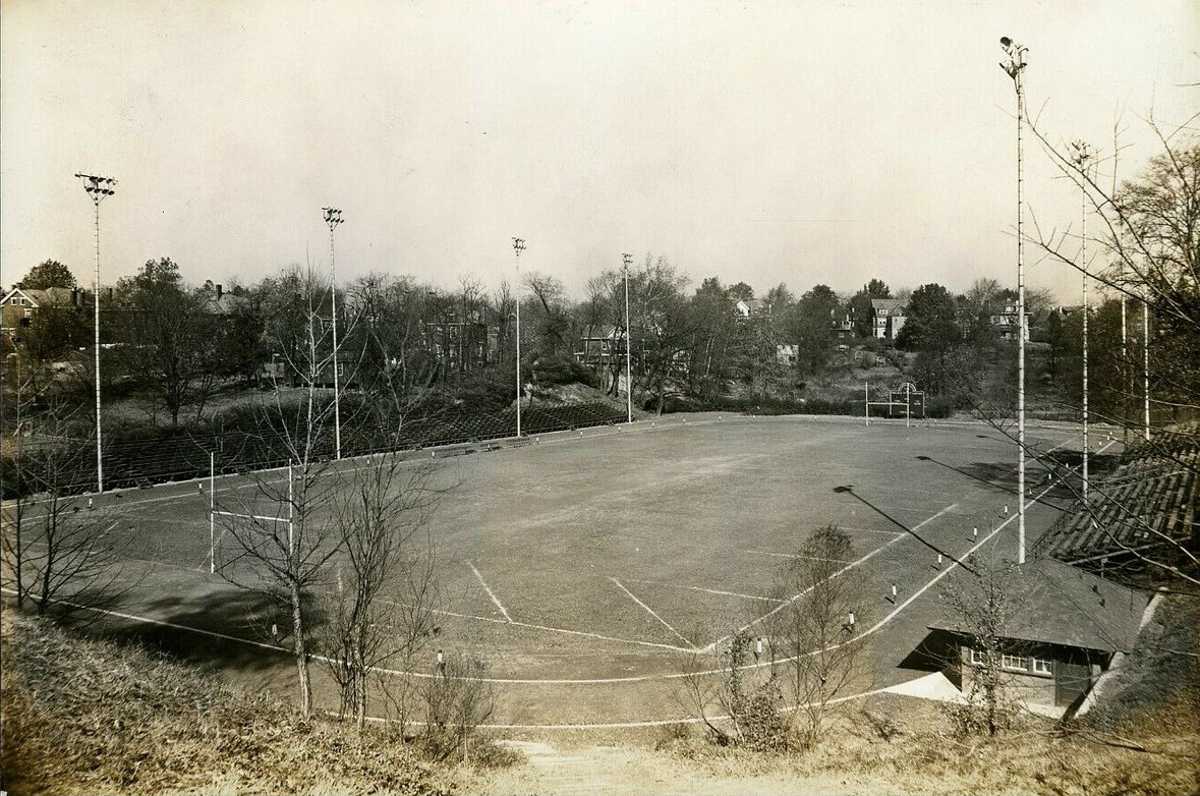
x,y
1035,687
12,312
888,324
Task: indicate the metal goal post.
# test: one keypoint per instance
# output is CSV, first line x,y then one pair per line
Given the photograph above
x,y
904,401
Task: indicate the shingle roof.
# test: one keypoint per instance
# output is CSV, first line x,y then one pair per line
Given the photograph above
x,y
885,306
1061,604
1149,502
227,304
50,297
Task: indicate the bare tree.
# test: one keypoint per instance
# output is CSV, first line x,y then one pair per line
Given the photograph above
x,y
983,606
697,690
278,529
457,700
814,633
383,607
60,547
549,299
1144,248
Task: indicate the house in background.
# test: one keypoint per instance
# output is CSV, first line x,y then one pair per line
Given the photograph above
x,y
887,318
601,346
217,301
19,306
1066,628
751,308
1004,323
843,326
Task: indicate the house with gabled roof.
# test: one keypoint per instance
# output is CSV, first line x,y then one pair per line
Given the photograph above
x,y
1064,627
20,305
887,317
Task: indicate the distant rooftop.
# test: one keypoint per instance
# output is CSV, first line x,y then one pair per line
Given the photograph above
x,y
886,305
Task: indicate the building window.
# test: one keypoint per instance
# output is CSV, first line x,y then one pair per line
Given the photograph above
x,y
1042,666
978,657
1014,662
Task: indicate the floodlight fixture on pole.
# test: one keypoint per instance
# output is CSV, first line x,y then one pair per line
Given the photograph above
x,y
1014,67
333,217
518,247
98,188
627,260
1082,154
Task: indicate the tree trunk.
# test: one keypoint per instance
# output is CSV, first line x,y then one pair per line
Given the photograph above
x,y
301,652
50,562
20,506
361,707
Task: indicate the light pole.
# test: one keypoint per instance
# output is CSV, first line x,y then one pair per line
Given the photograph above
x,y
518,247
1146,365
1081,157
98,188
1126,371
627,260
1015,68
333,217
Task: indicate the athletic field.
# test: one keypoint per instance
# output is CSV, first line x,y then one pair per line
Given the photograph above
x,y
584,566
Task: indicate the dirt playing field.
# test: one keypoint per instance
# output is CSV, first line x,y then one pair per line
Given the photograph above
x,y
584,566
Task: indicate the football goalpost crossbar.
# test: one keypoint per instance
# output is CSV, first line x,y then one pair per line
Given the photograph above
x,y
907,396
214,512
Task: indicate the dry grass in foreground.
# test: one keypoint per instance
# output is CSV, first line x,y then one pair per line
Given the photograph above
x,y
86,717
891,747
1141,741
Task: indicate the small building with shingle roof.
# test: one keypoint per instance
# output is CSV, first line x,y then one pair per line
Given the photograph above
x,y
1062,628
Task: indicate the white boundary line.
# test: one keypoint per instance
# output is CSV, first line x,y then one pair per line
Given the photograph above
x,y
594,681
667,585
954,563
796,555
220,513
650,610
600,681
867,530
415,455
550,629
630,725
490,593
647,424
841,571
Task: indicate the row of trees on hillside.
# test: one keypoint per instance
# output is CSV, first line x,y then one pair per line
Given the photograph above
x,y
178,343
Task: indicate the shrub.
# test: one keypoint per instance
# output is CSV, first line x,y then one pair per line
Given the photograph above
x,y
561,369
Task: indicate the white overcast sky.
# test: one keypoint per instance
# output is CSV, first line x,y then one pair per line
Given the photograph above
x,y
768,142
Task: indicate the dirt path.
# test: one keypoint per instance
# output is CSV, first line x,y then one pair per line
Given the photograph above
x,y
631,770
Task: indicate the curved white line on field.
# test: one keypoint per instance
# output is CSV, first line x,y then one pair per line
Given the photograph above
x,y
593,681
849,566
529,681
632,725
